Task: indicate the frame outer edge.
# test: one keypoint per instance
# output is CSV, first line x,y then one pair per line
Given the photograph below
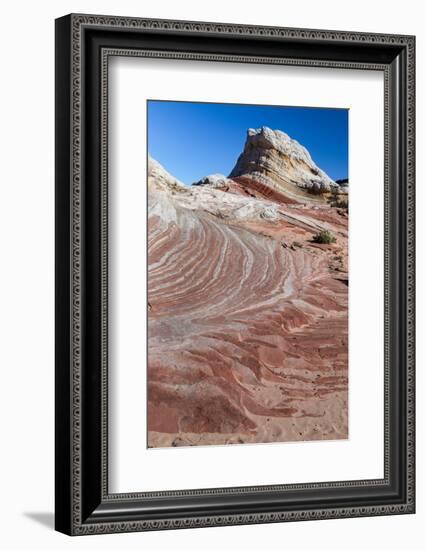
x,y
77,22
63,495
76,269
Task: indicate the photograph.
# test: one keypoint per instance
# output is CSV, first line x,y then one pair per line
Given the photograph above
x,y
248,274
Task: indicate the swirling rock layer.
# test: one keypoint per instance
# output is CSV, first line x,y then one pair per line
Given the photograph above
x,y
248,326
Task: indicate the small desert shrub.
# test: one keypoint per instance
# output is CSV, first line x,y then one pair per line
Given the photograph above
x,y
324,237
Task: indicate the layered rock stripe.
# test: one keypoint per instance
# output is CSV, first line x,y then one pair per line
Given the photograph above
x,y
247,315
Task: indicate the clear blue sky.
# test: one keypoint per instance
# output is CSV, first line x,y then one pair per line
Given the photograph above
x,y
192,140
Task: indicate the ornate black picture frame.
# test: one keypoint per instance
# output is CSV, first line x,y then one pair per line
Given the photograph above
x,y
84,43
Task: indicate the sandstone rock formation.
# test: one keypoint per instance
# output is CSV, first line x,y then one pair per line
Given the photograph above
x,y
217,181
273,158
247,316
343,186
160,180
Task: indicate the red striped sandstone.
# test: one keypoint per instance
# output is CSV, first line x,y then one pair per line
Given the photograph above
x,y
247,316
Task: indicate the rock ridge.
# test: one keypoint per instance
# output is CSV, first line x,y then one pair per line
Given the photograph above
x,y
275,159
247,314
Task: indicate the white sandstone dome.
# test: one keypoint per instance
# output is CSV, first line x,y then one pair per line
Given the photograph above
x,y
274,158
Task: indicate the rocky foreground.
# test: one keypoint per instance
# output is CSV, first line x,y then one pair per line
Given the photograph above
x,y
247,307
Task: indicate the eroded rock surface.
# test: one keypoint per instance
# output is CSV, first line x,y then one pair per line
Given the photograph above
x,y
248,317
274,158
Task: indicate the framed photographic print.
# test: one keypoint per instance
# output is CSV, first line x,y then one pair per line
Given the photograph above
x,y
234,274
